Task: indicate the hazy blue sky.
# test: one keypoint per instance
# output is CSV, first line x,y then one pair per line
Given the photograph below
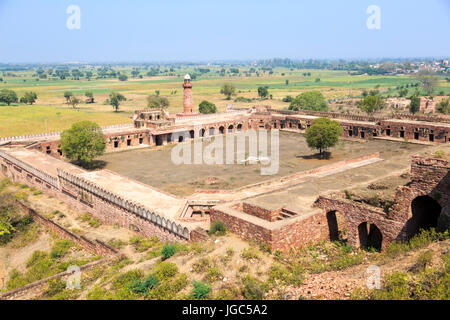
x,y
156,30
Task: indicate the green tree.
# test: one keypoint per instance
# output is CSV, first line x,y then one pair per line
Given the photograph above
x,y
8,96
83,142
157,102
263,92
207,107
29,97
74,101
228,90
444,106
371,104
414,106
428,80
68,95
114,99
323,134
311,100
90,97
123,77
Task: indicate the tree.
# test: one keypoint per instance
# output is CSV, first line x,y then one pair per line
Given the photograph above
x,y
90,97
414,106
83,142
403,92
207,107
123,77
287,82
8,96
310,100
157,102
115,99
263,92
68,95
371,104
444,106
29,97
427,80
74,101
228,90
323,134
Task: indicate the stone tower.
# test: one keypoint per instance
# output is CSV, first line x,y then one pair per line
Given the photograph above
x,y
188,101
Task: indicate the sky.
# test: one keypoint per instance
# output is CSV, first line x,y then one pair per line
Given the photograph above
x,y
212,30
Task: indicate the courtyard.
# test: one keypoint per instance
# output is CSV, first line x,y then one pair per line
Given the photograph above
x,y
153,166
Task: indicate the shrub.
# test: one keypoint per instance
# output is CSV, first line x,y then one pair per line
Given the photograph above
x,y
60,248
168,250
54,287
292,275
249,253
201,290
217,227
143,287
424,259
213,274
253,289
165,270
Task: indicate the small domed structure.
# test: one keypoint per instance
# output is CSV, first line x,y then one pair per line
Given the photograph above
x,y
187,77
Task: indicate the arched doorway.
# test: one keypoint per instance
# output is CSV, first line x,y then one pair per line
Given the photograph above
x,y
425,214
370,236
239,127
221,130
191,134
211,131
159,140
202,133
337,226
180,138
230,128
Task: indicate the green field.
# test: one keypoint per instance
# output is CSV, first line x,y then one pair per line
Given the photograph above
x,y
50,113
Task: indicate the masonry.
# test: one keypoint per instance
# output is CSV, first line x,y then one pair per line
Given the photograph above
x,y
115,199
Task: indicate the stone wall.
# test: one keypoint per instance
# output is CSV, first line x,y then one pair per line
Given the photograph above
x,y
96,246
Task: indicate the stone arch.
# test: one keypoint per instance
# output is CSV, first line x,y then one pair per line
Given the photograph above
x,y
370,236
239,127
181,138
212,131
191,134
221,129
230,128
425,214
201,133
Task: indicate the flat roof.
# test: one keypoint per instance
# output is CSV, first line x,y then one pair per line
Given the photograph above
x,y
165,204
42,162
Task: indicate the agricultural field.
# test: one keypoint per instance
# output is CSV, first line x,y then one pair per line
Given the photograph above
x,y
51,113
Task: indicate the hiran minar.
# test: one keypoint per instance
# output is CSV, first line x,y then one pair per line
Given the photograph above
x,y
188,101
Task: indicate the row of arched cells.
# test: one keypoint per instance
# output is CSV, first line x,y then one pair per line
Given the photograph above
x,y
425,215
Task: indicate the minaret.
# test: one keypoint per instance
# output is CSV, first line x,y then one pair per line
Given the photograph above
x,y
188,101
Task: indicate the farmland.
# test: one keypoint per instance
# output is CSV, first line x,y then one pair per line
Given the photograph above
x,y
51,113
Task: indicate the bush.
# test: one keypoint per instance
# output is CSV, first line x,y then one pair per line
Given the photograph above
x,y
424,259
60,248
168,250
165,270
143,287
217,227
200,291
249,253
253,289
